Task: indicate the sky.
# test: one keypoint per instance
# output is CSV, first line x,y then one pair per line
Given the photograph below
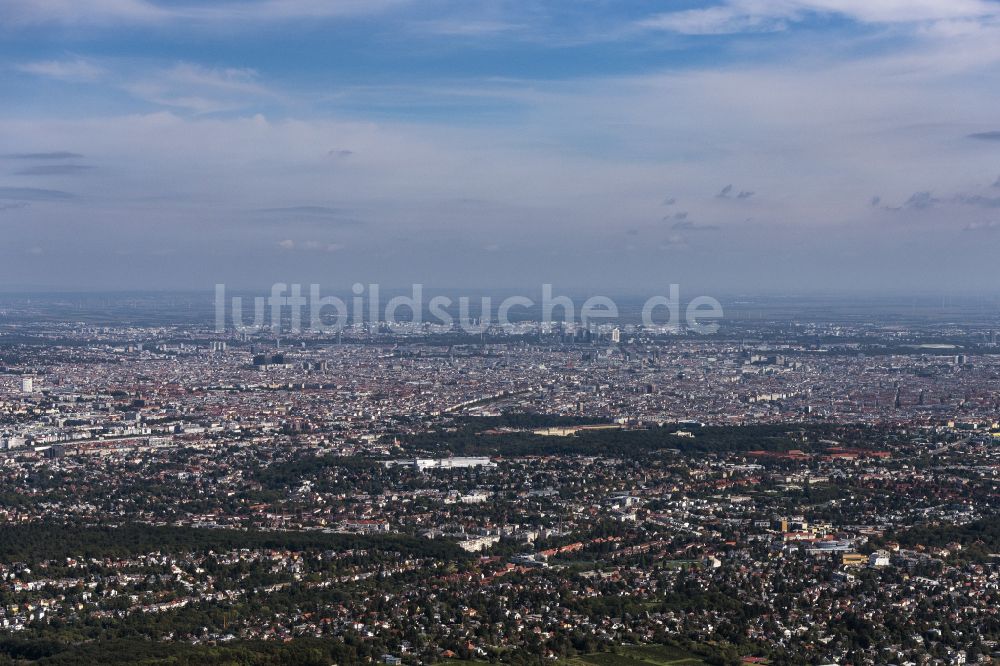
x,y
726,145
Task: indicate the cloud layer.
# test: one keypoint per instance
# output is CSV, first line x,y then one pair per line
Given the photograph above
x,y
859,155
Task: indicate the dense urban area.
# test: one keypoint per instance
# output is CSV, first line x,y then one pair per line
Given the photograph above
x,y
787,490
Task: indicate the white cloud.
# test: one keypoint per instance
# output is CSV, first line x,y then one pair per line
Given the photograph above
x,y
138,12
276,10
184,85
199,89
979,226
804,139
233,79
76,70
734,16
723,19
70,12
903,11
577,164
318,246
469,28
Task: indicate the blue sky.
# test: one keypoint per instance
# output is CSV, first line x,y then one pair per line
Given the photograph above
x,y
731,144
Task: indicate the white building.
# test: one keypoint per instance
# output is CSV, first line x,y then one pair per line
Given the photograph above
x,y
443,463
880,558
474,498
476,544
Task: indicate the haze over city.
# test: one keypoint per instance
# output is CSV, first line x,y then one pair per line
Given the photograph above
x,y
793,145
